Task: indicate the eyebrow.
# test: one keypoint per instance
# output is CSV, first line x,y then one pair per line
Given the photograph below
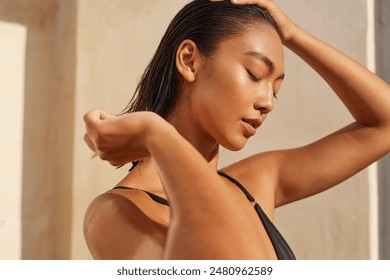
x,y
262,57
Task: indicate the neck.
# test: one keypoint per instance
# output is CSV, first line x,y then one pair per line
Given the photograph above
x,y
146,177
206,146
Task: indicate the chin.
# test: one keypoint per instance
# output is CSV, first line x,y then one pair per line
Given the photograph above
x,y
236,145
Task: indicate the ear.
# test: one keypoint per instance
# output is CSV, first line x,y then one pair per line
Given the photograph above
x,y
188,60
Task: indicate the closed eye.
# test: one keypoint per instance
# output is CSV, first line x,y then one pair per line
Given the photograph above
x,y
252,77
256,80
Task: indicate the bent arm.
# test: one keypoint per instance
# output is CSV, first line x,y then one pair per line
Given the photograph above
x,y
305,171
364,94
198,199
325,163
197,195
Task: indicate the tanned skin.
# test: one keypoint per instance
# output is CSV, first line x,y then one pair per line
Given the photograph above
x,y
222,103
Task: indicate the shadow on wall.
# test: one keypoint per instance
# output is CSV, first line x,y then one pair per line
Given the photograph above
x,y
383,70
48,124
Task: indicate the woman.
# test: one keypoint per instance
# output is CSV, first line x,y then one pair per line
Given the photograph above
x,y
212,82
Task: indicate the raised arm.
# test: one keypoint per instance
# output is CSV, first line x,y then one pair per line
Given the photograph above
x,y
197,195
305,171
338,156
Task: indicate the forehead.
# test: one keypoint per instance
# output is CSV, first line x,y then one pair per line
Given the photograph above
x,y
261,39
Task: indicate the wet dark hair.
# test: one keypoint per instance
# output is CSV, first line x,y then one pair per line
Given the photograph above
x,y
206,24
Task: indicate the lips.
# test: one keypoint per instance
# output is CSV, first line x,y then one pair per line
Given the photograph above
x,y
254,122
250,126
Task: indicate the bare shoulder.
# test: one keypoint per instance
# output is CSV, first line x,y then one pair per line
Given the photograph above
x,y
286,176
259,175
124,225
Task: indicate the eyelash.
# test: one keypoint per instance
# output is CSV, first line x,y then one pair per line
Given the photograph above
x,y
252,77
256,80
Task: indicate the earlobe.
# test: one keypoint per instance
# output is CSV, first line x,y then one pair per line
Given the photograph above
x,y
187,60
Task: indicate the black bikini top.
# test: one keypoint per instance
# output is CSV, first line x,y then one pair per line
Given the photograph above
x,y
282,249
153,196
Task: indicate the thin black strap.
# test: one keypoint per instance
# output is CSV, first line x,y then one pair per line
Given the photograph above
x,y
238,184
282,249
153,196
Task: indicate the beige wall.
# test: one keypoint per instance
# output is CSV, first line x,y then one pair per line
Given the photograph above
x,y
115,41
12,46
82,54
335,224
49,68
382,21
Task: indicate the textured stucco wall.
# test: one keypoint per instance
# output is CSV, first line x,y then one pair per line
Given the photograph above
x,y
115,41
12,49
82,54
113,50
334,224
46,172
383,69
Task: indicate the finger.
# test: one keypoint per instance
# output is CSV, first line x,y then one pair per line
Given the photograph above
x,y
264,4
122,160
89,143
92,117
259,3
95,116
93,122
105,115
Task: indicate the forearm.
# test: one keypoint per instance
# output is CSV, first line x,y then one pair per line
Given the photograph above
x,y
365,95
198,199
325,163
179,163
197,195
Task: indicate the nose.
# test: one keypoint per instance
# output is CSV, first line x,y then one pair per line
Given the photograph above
x,y
264,101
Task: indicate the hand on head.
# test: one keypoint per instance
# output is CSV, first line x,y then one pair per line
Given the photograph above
x,y
285,26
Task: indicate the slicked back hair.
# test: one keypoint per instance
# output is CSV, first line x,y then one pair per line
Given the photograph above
x,y
206,24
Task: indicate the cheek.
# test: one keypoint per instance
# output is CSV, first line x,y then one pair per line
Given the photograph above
x,y
220,95
210,91
227,85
